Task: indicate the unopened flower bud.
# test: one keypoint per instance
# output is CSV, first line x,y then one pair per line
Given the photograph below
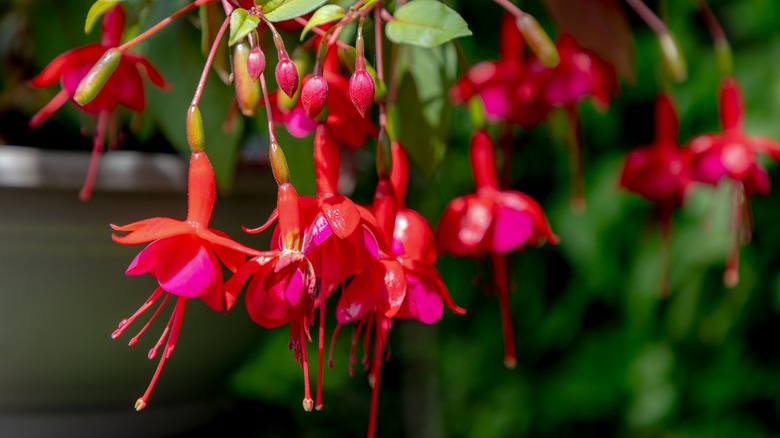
x,y
314,95
247,89
538,40
361,91
287,76
195,135
255,64
278,164
672,56
98,75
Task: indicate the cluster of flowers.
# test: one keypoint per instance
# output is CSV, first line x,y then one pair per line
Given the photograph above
x,y
379,257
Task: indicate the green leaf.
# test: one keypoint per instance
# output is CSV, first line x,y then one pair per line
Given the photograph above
x,y
241,23
275,11
96,11
323,15
425,23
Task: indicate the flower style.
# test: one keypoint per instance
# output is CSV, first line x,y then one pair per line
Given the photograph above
x,y
125,87
403,283
733,154
492,221
185,257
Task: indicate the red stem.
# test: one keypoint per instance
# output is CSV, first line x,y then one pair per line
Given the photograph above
x,y
209,60
164,22
500,278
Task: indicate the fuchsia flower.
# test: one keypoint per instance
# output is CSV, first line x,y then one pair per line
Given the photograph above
x,y
402,283
125,87
733,154
660,172
185,257
492,221
505,87
282,285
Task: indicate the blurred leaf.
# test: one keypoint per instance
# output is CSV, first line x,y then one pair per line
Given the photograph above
x,y
323,15
241,23
288,9
600,26
96,11
425,23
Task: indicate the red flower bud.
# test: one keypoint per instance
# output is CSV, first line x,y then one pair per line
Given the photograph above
x,y
314,95
361,91
287,76
255,63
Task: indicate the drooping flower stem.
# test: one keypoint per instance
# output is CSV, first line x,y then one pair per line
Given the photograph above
x,y
731,273
502,288
576,170
162,23
97,151
380,64
209,60
722,48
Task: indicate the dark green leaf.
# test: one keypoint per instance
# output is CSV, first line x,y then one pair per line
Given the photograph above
x,y
425,23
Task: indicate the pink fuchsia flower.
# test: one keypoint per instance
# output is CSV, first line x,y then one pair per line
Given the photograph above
x,y
505,87
403,283
124,88
492,222
734,155
186,259
280,284
661,172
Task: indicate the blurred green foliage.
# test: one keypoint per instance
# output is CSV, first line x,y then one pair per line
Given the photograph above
x,y
600,353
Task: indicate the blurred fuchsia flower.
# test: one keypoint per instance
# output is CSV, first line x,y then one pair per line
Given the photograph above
x,y
505,87
125,87
492,221
403,283
282,285
733,154
185,257
660,172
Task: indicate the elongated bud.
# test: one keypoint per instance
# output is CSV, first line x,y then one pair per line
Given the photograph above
x,y
538,40
195,136
384,160
255,64
314,95
98,75
247,89
290,219
672,56
730,104
278,164
361,91
287,76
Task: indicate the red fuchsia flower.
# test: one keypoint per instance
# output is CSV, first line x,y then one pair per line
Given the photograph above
x,y
733,154
492,222
185,257
403,283
280,284
660,172
579,74
505,87
125,87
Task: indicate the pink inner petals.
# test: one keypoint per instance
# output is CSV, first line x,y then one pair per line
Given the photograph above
x,y
511,229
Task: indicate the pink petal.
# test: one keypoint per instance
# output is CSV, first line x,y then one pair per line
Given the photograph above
x,y
298,124
512,228
425,303
357,299
188,268
317,233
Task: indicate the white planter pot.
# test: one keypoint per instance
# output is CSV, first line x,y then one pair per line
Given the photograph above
x,y
64,291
